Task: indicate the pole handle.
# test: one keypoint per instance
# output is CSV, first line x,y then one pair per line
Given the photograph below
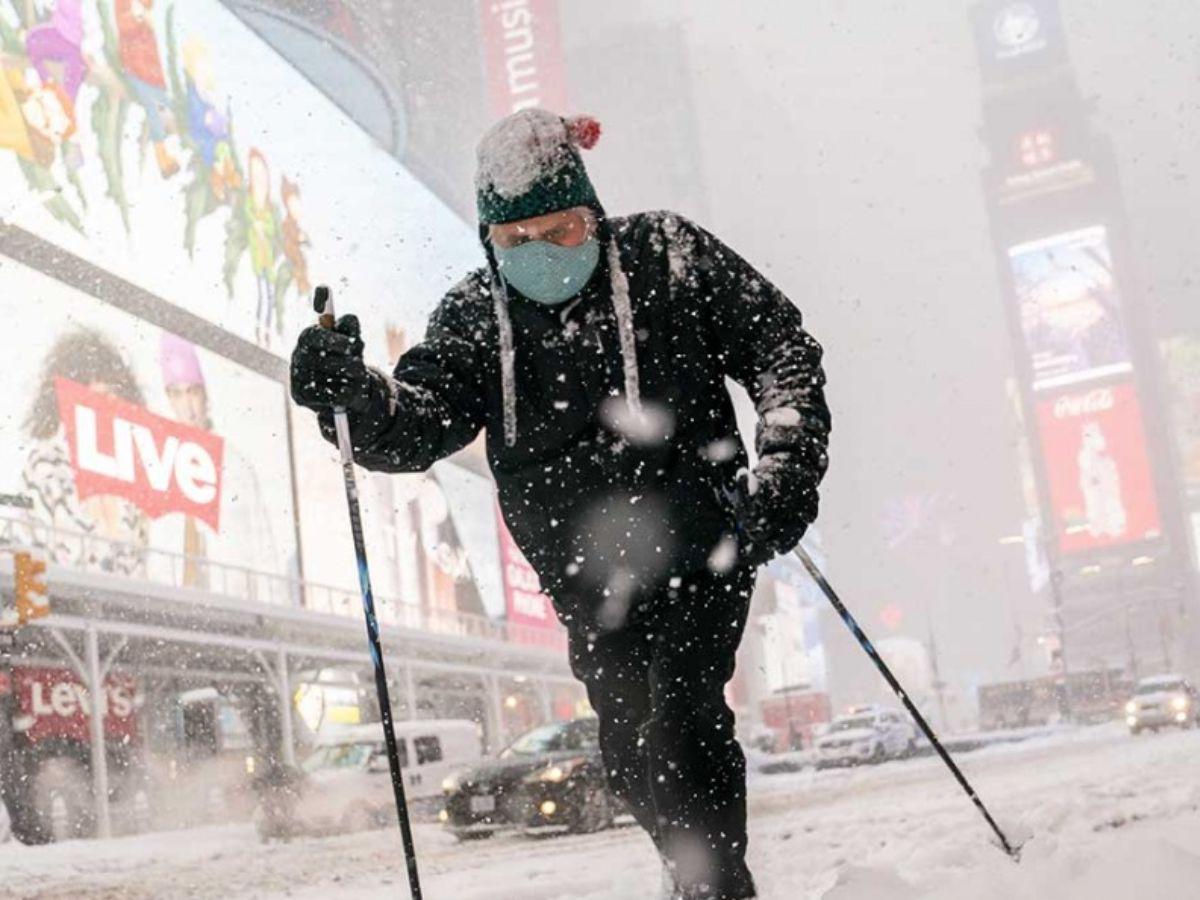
x,y
323,306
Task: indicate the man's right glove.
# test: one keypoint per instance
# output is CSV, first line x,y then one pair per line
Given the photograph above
x,y
774,506
328,369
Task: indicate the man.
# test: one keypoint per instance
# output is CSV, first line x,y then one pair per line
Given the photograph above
x,y
593,351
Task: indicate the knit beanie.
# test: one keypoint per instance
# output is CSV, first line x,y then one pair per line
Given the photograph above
x,y
529,165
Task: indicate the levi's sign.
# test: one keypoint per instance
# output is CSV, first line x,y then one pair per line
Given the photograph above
x,y
120,449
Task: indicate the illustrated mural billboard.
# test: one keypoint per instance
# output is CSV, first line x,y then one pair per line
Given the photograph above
x,y
1101,487
167,143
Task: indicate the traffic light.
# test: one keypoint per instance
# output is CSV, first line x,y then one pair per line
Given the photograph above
x,y
33,597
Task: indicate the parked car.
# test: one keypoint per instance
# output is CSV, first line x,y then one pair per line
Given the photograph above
x,y
346,782
866,735
550,778
1162,701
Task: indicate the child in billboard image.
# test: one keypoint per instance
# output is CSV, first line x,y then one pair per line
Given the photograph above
x,y
102,532
1100,484
206,124
184,384
261,227
294,238
140,60
246,537
55,48
36,119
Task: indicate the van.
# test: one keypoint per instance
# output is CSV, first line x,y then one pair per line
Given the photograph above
x,y
347,780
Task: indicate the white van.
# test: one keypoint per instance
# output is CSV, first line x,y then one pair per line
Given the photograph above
x,y
348,785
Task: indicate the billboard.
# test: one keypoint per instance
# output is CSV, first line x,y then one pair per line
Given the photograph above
x,y
1017,37
1100,480
1069,307
53,704
122,438
522,54
1182,365
169,145
525,604
119,449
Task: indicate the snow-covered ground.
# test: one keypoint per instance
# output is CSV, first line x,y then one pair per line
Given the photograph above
x,y
1112,817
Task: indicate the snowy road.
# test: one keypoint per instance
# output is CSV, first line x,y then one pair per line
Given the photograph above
x,y
1113,817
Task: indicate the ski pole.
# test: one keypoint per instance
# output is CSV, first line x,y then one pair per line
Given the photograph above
x,y
323,304
865,643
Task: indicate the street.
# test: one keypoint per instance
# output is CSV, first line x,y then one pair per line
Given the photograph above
x,y
1110,815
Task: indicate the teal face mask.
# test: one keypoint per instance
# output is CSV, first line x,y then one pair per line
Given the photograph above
x,y
545,272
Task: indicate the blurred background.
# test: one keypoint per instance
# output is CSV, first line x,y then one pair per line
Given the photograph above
x,y
987,212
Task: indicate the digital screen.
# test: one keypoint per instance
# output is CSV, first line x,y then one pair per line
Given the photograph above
x,y
1101,485
1070,308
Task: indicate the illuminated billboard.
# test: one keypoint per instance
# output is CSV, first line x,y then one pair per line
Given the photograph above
x,y
1070,308
523,57
1182,358
169,145
1101,485
122,438
1015,37
525,604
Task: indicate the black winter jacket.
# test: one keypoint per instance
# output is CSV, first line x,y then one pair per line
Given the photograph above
x,y
587,500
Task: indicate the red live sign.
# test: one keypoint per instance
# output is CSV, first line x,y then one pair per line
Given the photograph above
x,y
120,449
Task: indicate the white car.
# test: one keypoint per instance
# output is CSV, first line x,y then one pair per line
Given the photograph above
x,y
866,736
1162,701
347,783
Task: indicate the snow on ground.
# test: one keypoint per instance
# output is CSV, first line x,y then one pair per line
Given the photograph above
x,y
1111,816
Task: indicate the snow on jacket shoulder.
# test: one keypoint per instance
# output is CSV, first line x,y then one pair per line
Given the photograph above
x,y
701,313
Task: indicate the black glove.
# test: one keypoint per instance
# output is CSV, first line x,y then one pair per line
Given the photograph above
x,y
774,506
328,368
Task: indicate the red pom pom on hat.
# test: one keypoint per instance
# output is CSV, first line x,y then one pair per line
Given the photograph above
x,y
583,131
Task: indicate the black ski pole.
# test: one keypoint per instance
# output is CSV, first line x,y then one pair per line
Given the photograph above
x,y
866,644
323,304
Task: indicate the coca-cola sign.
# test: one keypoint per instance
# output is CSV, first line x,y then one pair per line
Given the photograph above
x,y
1100,478
1088,403
120,449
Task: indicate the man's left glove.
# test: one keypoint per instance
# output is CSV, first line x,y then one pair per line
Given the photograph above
x,y
774,506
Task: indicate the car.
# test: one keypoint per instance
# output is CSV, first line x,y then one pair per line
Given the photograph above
x,y
1162,701
548,779
345,784
866,735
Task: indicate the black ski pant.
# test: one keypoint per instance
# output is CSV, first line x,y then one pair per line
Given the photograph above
x,y
666,732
